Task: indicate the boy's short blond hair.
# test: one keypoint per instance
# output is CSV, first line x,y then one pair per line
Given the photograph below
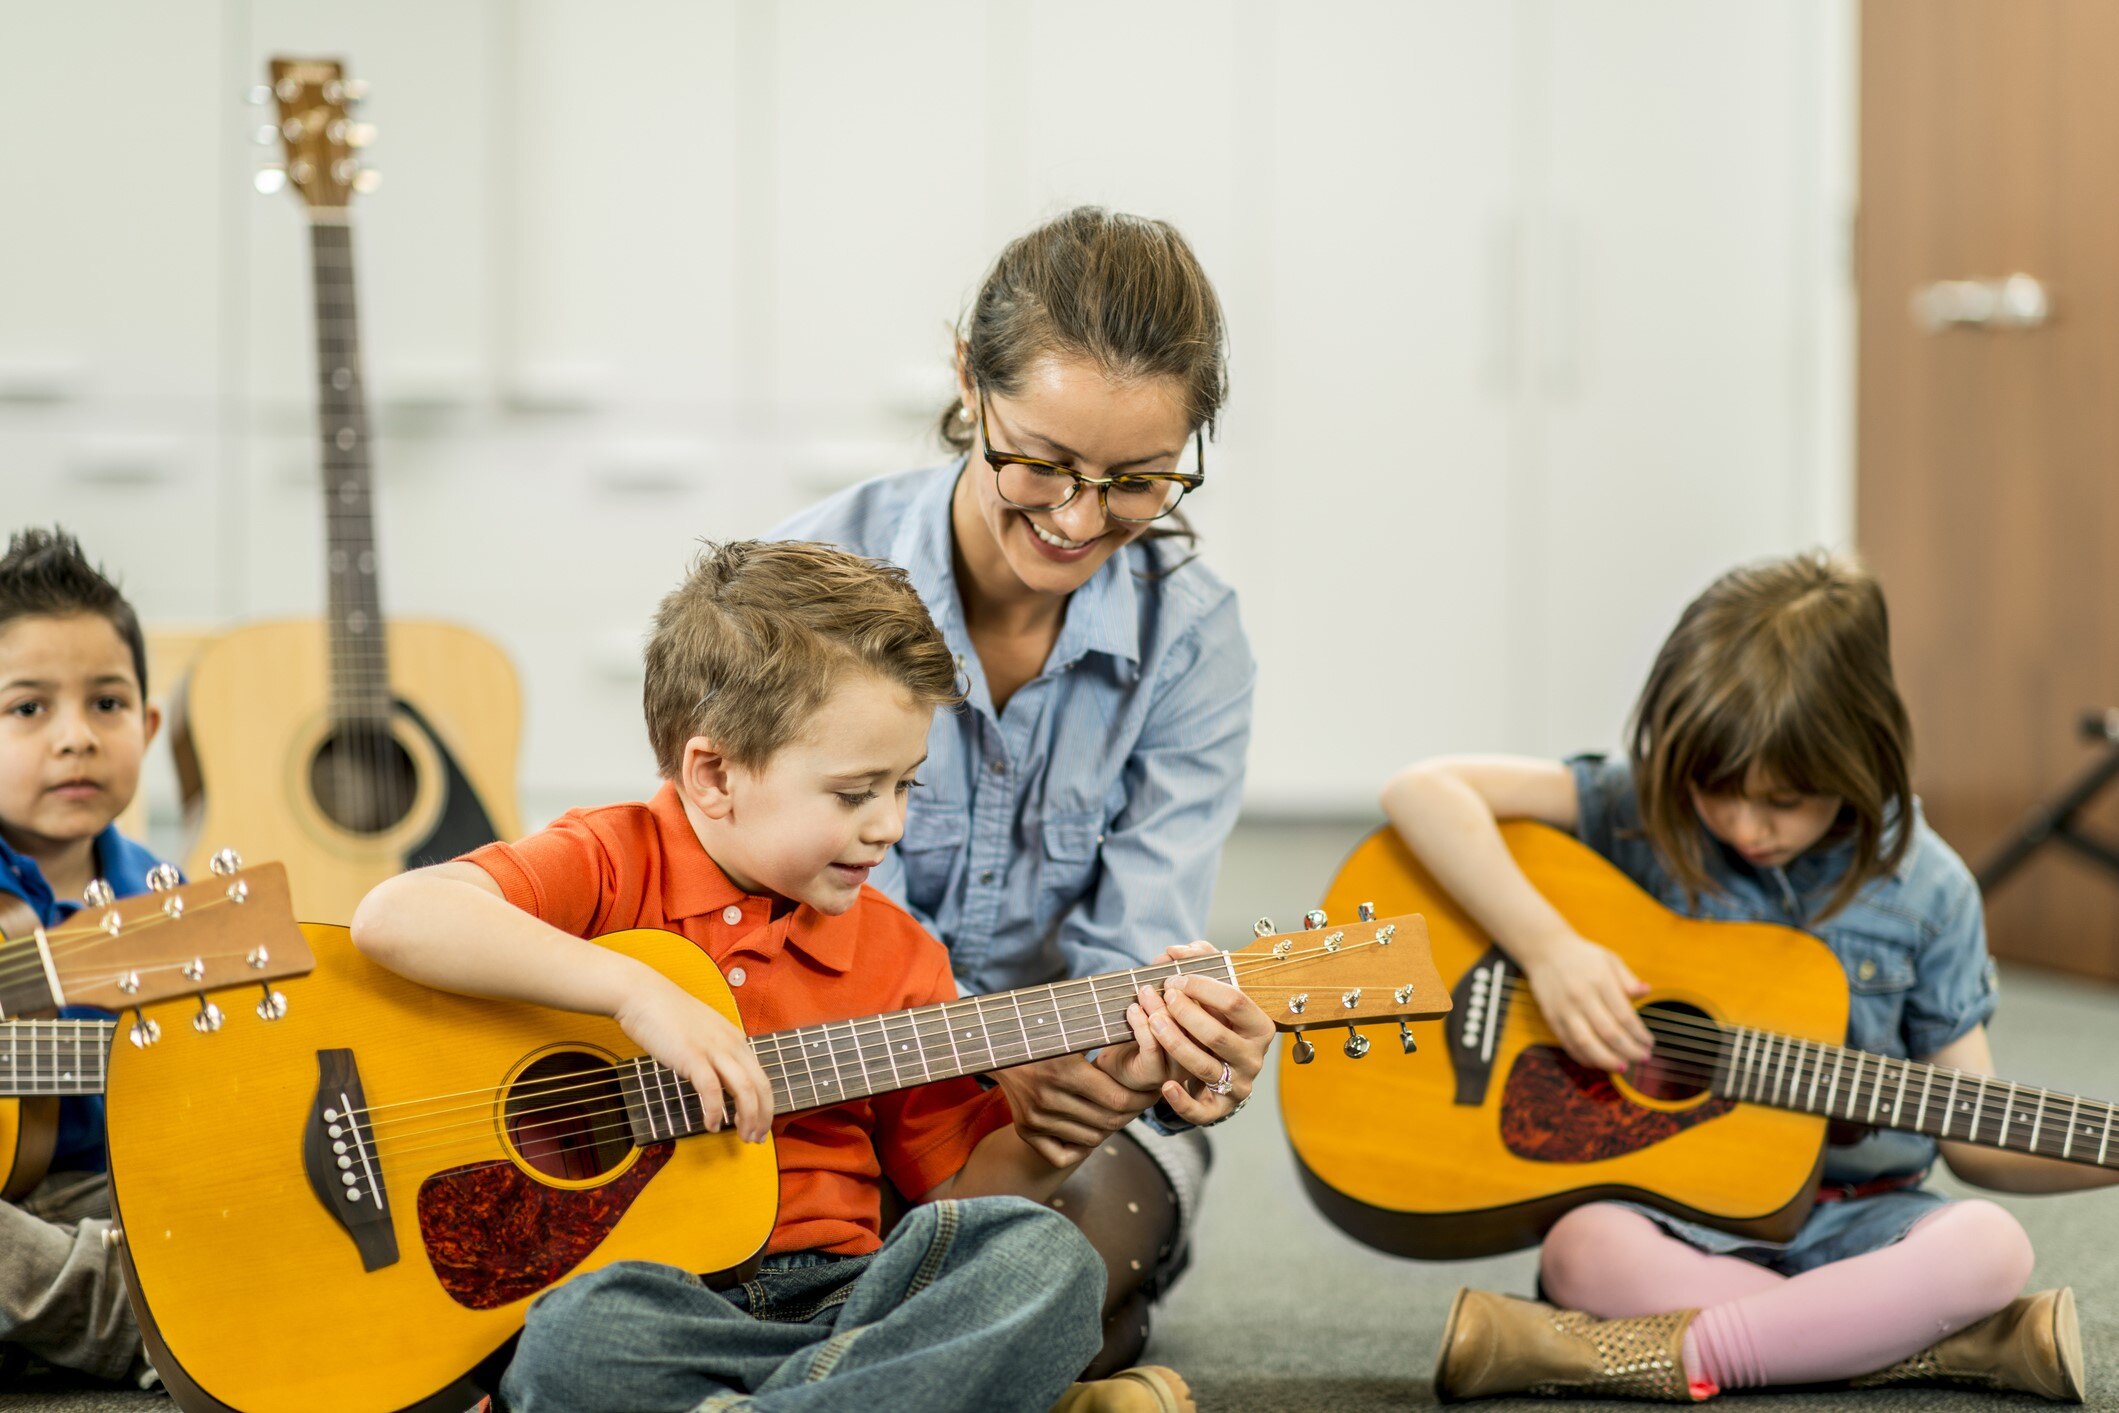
x,y
747,648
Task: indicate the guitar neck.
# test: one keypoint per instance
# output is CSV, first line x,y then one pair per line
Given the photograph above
x,y
1761,1067
39,1057
844,1060
360,669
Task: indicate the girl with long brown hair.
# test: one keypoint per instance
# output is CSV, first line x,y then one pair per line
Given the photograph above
x,y
1768,779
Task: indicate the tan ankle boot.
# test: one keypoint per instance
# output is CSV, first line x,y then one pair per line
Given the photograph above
x,y
1150,1388
1495,1344
2032,1346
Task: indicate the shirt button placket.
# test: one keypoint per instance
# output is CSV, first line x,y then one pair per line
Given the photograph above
x,y
732,915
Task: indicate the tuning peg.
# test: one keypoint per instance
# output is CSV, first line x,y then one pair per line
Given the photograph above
x,y
98,893
1262,928
143,1032
1304,1051
1350,999
1298,1002
1313,919
258,958
225,862
359,134
353,90
266,135
1357,1044
209,1019
1405,1038
270,181
163,877
259,95
273,1006
367,181
173,906
195,969
239,891
1368,912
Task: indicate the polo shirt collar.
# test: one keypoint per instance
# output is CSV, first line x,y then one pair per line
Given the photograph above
x,y
697,887
1103,615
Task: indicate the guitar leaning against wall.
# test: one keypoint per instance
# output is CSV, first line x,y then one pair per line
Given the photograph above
x,y
350,749
1725,1123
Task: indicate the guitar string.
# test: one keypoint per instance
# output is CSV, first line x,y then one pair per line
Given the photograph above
x,y
69,939
863,1051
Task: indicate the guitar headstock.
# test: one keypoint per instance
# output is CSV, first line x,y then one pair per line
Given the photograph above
x,y
1359,973
317,135
233,929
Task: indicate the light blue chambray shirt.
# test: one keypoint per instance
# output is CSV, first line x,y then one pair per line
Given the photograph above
x,y
1913,942
1079,830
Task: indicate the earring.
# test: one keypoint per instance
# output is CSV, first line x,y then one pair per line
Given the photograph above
x,y
963,414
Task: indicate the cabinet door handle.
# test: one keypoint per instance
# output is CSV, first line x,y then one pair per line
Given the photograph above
x,y
2017,301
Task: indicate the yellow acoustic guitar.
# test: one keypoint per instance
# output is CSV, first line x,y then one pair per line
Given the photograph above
x,y
354,1210
1725,1123
175,941
349,749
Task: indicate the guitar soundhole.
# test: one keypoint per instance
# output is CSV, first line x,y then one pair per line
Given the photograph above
x,y
1686,1043
363,778
566,1118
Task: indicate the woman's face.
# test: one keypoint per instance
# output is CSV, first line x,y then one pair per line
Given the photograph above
x,y
1068,411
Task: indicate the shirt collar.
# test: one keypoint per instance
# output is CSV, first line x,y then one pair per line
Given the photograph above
x,y
115,863
696,887
1103,615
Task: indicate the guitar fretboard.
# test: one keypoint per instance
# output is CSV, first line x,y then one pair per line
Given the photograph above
x,y
844,1060
53,1057
1762,1067
360,668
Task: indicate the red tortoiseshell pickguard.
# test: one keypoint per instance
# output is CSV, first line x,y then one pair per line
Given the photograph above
x,y
1556,1111
494,1235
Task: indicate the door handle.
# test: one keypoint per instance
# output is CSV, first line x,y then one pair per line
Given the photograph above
x,y
2015,301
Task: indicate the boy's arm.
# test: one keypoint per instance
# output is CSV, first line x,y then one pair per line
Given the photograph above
x,y
1999,1169
449,927
1004,1165
1447,810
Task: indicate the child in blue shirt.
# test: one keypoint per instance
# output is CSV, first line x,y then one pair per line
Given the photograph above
x,y
74,724
1768,780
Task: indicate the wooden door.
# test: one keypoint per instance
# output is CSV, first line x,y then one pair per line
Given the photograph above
x,y
1988,456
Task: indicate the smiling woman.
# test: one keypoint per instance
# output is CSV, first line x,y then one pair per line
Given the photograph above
x,y
1074,812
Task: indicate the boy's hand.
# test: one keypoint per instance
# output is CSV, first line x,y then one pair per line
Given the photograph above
x,y
699,1043
1586,994
1066,1108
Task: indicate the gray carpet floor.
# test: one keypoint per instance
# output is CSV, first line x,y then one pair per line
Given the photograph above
x,y
1282,1312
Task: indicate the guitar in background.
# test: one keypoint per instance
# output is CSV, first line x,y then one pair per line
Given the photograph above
x,y
350,749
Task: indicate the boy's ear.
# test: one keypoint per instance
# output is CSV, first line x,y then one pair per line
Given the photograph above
x,y
151,719
705,777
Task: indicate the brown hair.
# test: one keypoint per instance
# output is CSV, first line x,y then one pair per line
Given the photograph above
x,y
1125,292
1785,665
45,574
752,642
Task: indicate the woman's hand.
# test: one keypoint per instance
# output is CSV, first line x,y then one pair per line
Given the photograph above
x,y
1586,994
688,1036
1212,1034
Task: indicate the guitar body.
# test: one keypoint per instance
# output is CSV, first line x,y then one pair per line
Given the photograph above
x,y
264,768
29,1129
1481,1143
257,1295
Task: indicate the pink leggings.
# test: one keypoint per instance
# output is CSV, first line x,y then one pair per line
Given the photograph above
x,y
1958,1264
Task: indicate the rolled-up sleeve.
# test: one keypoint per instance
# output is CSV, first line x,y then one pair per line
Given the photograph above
x,y
1183,787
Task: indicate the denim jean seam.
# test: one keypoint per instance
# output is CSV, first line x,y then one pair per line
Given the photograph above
x,y
945,1227
831,1352
722,1402
804,1314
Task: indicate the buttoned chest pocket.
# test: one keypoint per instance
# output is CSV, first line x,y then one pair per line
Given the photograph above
x,y
1880,978
932,851
1071,842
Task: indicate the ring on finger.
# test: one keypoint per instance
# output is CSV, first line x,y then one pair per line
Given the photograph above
x,y
1226,1082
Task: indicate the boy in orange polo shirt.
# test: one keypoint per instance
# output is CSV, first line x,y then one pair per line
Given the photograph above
x,y
789,692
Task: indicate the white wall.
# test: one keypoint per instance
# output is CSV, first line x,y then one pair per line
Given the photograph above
x,y
1540,315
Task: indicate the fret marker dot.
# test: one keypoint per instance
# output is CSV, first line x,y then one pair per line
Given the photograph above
x,y
342,378
367,561
345,441
356,622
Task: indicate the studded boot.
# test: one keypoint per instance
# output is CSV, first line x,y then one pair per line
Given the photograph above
x,y
2031,1346
1496,1344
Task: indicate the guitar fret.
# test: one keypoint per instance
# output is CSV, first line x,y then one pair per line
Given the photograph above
x,y
1972,1129
1854,1085
2107,1135
1817,1072
2038,1118
1949,1107
897,1081
992,1058
1021,1025
1838,1059
1755,1044
1876,1088
949,1030
808,1069
1779,1090
2074,1117
1898,1107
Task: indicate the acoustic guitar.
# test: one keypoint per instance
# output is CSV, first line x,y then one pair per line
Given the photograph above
x,y
350,749
236,929
372,1193
1726,1123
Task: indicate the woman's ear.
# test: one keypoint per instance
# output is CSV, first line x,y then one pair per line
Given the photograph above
x,y
967,390
705,778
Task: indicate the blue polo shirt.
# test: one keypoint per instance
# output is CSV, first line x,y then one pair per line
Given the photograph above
x,y
124,865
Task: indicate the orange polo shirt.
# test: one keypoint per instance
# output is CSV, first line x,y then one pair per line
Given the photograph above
x,y
593,871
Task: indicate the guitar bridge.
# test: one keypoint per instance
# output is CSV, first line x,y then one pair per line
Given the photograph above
x,y
1478,1009
338,1155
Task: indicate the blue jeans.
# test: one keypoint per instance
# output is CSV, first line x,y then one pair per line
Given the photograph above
x,y
991,1303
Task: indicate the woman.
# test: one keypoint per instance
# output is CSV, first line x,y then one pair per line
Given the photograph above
x,y
1072,814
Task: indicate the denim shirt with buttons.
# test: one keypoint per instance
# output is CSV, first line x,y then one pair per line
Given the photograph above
x,y
1913,942
1078,830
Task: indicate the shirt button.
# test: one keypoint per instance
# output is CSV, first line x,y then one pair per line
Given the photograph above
x,y
1000,767
735,976
986,877
1867,969
732,914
